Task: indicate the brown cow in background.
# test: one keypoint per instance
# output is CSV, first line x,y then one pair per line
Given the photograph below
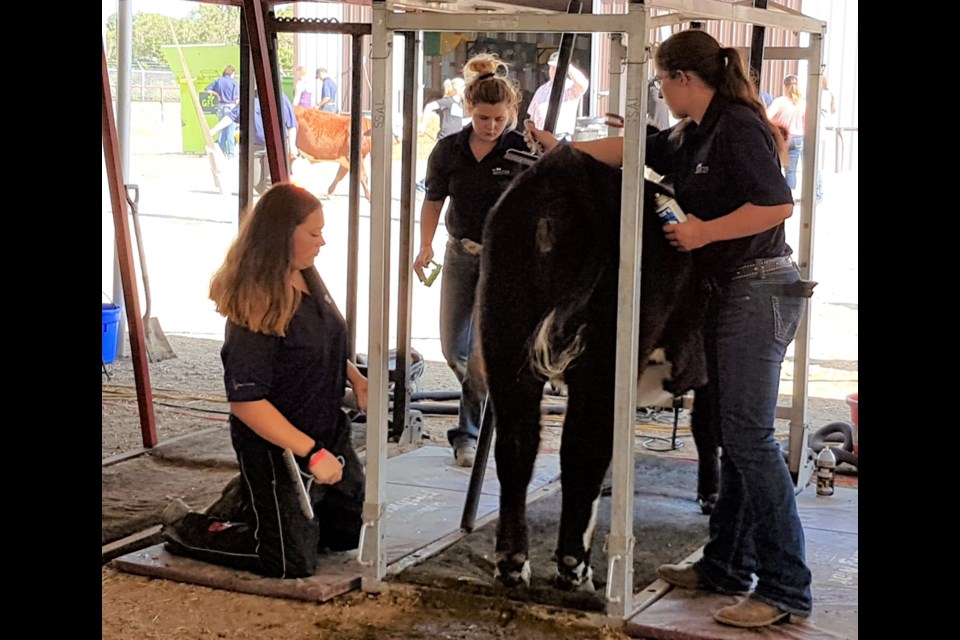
x,y
322,135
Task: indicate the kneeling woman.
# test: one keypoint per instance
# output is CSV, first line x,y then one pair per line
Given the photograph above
x,y
285,371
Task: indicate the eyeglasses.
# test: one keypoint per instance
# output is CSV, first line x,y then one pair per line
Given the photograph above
x,y
658,80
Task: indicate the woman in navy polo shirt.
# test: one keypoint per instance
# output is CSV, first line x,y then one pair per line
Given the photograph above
x,y
285,371
725,158
470,170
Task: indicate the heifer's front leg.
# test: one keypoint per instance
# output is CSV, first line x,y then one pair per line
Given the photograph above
x,y
341,174
585,452
517,408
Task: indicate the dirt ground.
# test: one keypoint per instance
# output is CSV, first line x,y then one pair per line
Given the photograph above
x,y
188,399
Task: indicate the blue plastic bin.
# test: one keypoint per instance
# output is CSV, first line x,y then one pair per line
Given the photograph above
x,y
111,320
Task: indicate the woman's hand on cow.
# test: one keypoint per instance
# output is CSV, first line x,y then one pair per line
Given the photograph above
x,y
422,262
545,139
688,235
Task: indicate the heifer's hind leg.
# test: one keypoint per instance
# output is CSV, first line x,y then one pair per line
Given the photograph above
x,y
585,452
706,438
516,404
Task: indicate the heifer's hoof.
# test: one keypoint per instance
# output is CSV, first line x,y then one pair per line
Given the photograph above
x,y
707,504
574,575
512,570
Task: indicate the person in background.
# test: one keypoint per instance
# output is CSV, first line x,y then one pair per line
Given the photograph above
x,y
789,112
327,91
301,95
285,371
227,91
469,170
449,109
574,86
261,173
658,115
724,157
828,118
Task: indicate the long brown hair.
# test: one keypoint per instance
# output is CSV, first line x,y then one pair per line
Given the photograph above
x,y
720,68
252,287
488,83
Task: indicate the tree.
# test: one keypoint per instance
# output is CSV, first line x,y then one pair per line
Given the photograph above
x,y
207,24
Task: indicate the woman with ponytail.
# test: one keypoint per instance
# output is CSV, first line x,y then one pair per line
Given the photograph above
x,y
724,159
469,169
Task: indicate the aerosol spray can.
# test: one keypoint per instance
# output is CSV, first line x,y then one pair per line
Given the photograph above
x,y
668,210
826,469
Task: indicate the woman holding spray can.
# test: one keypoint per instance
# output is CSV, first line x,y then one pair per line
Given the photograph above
x,y
725,159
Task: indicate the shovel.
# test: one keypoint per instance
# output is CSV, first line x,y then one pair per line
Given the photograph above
x,y
158,348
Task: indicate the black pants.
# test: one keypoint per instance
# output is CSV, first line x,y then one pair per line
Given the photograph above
x,y
265,531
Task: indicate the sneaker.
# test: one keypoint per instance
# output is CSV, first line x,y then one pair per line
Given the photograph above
x,y
465,452
750,613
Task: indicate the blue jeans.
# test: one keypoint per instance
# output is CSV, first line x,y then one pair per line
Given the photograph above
x,y
458,293
226,139
794,150
755,527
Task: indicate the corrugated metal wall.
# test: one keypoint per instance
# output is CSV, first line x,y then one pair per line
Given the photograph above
x,y
730,34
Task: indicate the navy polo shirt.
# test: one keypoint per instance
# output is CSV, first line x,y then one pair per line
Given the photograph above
x,y
286,114
227,88
726,161
473,187
302,374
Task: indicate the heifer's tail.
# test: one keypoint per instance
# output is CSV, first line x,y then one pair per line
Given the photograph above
x,y
545,358
578,244
560,338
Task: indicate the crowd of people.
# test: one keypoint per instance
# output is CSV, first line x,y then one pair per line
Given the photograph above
x,y
285,361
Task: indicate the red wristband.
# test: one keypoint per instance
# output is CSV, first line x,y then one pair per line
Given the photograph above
x,y
315,458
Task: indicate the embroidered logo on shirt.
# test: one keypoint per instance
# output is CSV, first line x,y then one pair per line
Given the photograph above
x,y
500,171
701,168
240,385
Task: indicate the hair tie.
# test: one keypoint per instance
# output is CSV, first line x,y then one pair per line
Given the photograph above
x,y
485,76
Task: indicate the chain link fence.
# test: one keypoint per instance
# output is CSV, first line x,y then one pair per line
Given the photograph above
x,y
149,85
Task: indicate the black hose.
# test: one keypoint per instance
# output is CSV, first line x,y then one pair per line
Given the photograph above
x,y
432,408
836,432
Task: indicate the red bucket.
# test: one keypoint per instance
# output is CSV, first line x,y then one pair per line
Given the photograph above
x,y
853,401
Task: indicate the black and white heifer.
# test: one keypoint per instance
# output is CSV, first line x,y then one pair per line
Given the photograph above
x,y
547,304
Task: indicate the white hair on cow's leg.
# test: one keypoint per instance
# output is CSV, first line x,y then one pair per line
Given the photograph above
x,y
592,524
514,558
544,359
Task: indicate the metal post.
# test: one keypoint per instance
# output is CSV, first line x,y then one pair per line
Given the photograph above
x,y
621,542
353,230
401,387
373,550
124,56
246,120
560,76
800,466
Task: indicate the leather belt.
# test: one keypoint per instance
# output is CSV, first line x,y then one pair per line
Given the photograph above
x,y
758,268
